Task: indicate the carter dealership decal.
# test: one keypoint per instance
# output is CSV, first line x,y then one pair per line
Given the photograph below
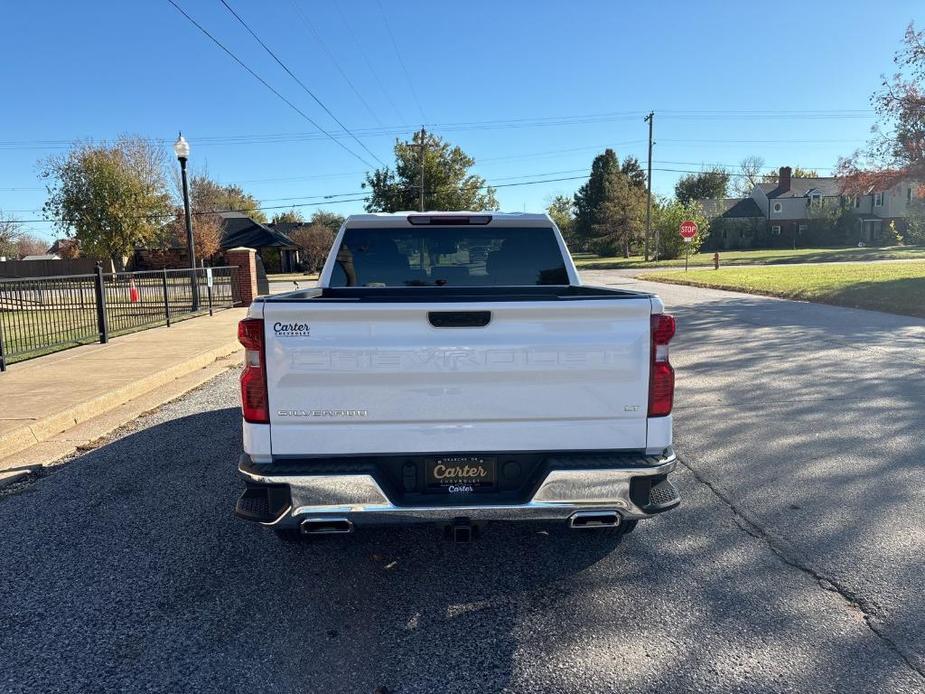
x,y
291,329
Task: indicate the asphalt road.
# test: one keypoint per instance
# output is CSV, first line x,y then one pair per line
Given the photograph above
x,y
794,563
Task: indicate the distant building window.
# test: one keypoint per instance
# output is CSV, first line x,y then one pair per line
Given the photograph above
x,y
909,194
815,199
778,207
857,200
878,199
803,228
775,230
724,235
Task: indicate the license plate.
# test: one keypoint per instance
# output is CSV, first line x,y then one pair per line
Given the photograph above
x,y
461,474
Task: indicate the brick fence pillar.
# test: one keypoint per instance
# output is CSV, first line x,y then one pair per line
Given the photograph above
x,y
245,259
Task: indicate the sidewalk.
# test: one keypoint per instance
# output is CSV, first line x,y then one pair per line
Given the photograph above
x,y
41,398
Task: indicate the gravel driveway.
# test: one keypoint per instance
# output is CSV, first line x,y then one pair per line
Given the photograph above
x,y
794,563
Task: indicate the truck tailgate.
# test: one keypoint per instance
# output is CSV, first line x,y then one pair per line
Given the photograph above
x,y
382,378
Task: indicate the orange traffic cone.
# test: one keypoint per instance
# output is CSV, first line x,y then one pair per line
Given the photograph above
x,y
132,291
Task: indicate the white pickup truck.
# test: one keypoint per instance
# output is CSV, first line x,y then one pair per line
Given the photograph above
x,y
451,368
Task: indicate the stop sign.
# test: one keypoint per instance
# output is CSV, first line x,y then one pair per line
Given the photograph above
x,y
688,229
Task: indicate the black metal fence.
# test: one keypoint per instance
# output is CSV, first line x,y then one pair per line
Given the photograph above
x,y
39,315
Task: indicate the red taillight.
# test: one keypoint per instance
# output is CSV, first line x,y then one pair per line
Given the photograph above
x,y
661,375
254,377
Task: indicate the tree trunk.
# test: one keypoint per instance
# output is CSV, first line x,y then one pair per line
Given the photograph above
x,y
117,262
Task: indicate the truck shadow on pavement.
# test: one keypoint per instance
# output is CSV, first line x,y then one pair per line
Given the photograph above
x,y
126,570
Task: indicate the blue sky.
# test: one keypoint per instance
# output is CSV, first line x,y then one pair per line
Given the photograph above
x,y
532,90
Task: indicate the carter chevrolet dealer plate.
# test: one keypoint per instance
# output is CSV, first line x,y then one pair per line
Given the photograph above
x,y
461,474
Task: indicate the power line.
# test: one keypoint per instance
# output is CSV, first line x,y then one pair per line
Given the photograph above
x,y
209,212
724,166
330,196
697,171
328,200
267,84
787,141
388,28
360,49
558,151
307,22
298,81
461,126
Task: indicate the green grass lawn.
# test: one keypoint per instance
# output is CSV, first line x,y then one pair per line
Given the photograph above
x,y
759,257
891,287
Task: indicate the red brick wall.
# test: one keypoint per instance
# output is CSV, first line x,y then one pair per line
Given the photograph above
x,y
244,259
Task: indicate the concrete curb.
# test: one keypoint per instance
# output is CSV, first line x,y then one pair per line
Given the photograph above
x,y
21,438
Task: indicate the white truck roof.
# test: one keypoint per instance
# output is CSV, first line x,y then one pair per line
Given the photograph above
x,y
393,219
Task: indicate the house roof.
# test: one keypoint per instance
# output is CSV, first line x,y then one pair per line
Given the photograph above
x,y
61,245
801,187
241,230
286,228
731,208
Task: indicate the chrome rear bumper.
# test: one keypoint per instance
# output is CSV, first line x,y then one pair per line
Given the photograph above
x,y
359,499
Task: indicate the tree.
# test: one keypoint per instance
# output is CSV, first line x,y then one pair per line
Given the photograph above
x,y
331,220
315,242
30,244
897,149
667,216
207,195
288,217
562,211
10,231
796,172
108,198
750,175
709,184
207,233
635,173
67,249
915,231
448,185
590,196
620,219
610,206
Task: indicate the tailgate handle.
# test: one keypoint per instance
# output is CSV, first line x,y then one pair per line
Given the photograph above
x,y
459,319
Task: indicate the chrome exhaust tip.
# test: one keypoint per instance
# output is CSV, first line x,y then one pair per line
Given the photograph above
x,y
325,526
594,519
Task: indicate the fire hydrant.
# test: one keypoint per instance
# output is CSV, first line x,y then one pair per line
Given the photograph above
x,y
716,261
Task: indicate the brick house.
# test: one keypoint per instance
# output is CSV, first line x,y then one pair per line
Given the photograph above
x,y
275,250
278,252
788,211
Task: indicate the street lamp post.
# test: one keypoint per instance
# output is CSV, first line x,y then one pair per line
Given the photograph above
x,y
181,149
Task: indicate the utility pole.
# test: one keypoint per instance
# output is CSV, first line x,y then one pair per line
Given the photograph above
x,y
649,119
422,146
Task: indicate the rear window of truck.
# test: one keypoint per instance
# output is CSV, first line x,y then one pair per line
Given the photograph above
x,y
449,256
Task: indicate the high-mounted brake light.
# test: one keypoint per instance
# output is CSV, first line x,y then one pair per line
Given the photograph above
x,y
254,403
661,374
449,220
